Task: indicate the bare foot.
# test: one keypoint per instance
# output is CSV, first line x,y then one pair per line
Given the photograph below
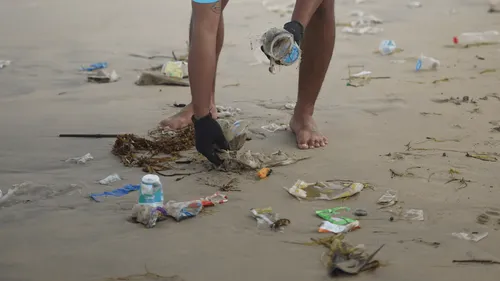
x,y
306,132
183,118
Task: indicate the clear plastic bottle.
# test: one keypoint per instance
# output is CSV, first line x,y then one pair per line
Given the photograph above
x,y
469,38
151,192
426,63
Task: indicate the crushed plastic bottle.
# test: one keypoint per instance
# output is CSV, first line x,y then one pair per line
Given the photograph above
x,y
426,63
474,38
387,47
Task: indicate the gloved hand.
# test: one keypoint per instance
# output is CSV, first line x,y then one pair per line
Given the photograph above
x,y
209,138
296,29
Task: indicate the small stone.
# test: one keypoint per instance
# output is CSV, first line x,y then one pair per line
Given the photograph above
x,y
465,99
360,213
391,219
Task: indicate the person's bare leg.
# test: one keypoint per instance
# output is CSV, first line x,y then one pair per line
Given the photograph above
x,y
183,118
317,48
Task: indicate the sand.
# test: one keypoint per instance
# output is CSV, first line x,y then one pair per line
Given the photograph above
x,y
69,237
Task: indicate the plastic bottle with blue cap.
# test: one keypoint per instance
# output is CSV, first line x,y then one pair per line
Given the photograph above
x,y
426,63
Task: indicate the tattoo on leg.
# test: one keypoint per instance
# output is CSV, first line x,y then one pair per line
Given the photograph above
x,y
216,7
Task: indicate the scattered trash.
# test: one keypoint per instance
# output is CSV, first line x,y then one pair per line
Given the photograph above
x,y
281,48
328,227
490,70
345,259
267,218
472,236
283,8
152,78
151,192
389,198
426,63
414,215
264,173
102,76
80,160
477,261
483,219
362,30
365,21
360,213
273,127
227,111
347,224
110,179
175,69
238,161
468,39
183,210
4,63
234,132
414,4
387,47
214,199
95,66
148,215
483,157
290,106
323,190
115,193
231,85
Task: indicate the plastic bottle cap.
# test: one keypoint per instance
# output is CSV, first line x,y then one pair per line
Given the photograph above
x,y
455,40
418,65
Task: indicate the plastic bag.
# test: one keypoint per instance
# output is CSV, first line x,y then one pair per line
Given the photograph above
x,y
266,218
389,198
148,215
327,215
234,132
328,227
323,190
183,210
414,215
212,200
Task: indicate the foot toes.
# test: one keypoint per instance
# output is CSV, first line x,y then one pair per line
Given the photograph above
x,y
303,146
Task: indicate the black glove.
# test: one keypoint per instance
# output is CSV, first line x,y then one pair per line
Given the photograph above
x,y
209,138
296,29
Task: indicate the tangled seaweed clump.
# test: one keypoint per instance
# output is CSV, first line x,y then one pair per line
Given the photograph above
x,y
153,152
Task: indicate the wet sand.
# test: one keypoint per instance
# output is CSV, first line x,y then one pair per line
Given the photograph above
x,y
69,237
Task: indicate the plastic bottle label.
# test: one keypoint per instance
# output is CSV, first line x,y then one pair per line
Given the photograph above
x,y
151,194
293,56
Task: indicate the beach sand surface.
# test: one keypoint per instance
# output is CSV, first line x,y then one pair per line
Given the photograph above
x,y
59,234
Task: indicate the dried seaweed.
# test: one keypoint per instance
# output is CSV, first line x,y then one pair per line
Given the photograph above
x,y
345,259
154,152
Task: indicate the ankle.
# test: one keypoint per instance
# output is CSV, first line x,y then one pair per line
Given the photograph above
x,y
303,110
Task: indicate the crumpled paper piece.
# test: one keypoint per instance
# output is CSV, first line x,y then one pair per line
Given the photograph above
x,y
323,190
